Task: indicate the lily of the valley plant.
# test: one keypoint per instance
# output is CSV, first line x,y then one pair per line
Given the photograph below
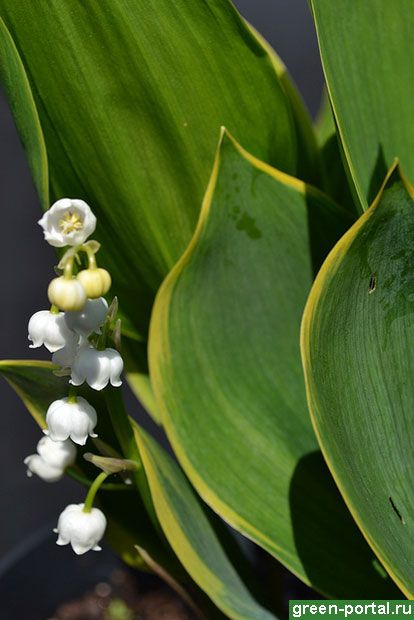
x,y
264,269
78,339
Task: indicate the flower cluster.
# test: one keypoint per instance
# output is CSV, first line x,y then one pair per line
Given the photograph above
x,y
69,222
74,330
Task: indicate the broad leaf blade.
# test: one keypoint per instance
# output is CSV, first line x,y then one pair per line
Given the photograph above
x,y
14,80
226,371
169,580
131,96
334,169
367,51
192,536
308,166
324,121
358,358
134,355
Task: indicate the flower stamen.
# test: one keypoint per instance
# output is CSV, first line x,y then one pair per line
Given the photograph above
x,y
70,222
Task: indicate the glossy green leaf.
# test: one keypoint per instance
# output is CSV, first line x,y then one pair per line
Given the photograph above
x,y
308,166
226,371
192,536
14,80
174,585
367,51
324,121
181,515
134,355
131,97
359,363
334,170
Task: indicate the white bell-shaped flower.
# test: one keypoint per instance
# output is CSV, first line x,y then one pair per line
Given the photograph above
x,y
48,473
50,329
57,453
69,221
51,459
97,368
89,319
76,420
82,530
66,356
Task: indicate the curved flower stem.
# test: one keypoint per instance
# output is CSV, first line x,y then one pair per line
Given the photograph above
x,y
72,394
91,261
109,486
93,489
125,434
68,269
91,254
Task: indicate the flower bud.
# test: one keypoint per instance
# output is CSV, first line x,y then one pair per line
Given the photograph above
x,y
51,459
95,281
82,530
49,329
97,368
89,319
67,294
67,419
69,221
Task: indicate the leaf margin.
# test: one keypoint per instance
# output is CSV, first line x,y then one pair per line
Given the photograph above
x,y
333,259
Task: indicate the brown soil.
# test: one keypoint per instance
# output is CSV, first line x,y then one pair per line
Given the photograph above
x,y
123,597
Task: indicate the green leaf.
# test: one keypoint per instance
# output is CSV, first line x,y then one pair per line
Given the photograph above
x,y
134,355
192,536
367,51
181,515
173,584
324,121
226,371
308,161
131,97
334,170
14,80
359,363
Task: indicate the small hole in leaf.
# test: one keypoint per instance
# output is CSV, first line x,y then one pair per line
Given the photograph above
x,y
372,284
395,509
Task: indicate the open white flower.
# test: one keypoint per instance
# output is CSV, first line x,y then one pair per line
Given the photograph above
x,y
50,329
89,319
76,420
97,368
69,221
51,459
82,530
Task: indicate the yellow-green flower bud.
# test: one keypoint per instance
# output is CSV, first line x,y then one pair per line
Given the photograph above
x,y
67,294
95,281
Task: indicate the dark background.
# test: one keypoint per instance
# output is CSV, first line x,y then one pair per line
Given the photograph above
x,y
27,504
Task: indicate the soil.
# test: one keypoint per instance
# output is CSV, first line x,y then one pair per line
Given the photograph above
x,y
124,596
